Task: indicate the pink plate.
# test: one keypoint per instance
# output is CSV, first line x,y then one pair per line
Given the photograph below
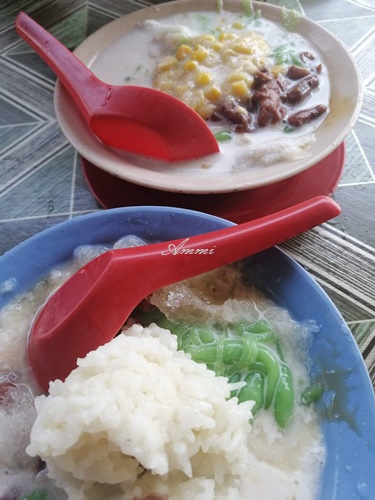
x,y
241,206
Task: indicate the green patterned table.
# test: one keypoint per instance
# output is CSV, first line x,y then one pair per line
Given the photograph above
x,y
41,180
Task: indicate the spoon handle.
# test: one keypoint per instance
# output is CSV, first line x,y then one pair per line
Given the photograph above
x,y
152,267
78,80
122,278
188,257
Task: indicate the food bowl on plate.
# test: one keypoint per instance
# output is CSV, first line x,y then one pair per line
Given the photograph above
x,y
248,159
344,413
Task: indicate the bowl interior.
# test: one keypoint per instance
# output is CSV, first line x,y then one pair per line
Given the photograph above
x,y
344,105
347,409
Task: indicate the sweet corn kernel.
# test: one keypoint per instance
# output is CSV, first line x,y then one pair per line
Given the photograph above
x,y
237,76
164,86
183,51
206,164
217,46
203,79
240,89
241,47
213,93
167,63
200,54
190,65
237,25
198,102
228,54
249,68
206,110
227,36
278,70
204,38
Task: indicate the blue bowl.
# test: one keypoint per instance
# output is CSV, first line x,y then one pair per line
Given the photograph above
x,y
348,407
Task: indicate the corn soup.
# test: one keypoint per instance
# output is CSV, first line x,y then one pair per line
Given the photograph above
x,y
263,90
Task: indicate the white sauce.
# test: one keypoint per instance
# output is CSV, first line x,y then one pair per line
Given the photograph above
x,y
286,463
132,59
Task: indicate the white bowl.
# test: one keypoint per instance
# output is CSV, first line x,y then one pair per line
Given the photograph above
x,y
344,106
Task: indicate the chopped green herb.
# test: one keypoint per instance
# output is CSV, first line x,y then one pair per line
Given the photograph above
x,y
288,129
249,15
257,16
223,136
289,18
204,21
248,7
283,55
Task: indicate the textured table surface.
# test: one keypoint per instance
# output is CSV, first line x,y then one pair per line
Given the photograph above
x,y
41,180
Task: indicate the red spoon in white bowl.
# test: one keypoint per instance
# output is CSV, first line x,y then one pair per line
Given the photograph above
x,y
134,119
89,309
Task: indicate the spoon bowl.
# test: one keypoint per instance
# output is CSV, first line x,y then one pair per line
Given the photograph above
x,y
89,309
129,118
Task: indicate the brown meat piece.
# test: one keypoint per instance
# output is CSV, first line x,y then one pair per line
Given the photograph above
x,y
267,100
240,119
296,72
307,55
301,90
306,115
261,77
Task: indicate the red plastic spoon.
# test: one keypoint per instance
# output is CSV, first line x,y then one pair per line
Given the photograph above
x,y
89,309
130,118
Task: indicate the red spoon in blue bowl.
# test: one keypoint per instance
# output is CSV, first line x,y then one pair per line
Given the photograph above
x,y
90,308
